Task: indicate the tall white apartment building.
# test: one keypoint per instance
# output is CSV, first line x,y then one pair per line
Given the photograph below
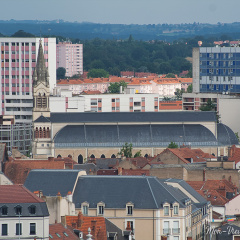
x,y
18,60
70,57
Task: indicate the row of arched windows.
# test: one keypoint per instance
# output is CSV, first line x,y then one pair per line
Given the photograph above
x,y
42,132
80,157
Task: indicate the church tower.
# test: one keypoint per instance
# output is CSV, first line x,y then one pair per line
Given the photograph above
x,y
41,144
41,90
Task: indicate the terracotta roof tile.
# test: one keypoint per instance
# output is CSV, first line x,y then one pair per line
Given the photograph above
x,y
65,232
82,223
17,194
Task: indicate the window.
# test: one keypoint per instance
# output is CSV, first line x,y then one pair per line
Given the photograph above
x,y
4,210
18,229
176,229
175,210
129,210
4,229
32,228
166,229
100,210
166,210
85,210
129,225
18,210
113,99
32,209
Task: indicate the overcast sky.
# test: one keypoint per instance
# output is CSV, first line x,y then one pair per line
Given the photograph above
x,y
123,11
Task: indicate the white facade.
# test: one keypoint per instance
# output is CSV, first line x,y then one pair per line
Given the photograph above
x,y
41,224
70,57
105,103
18,60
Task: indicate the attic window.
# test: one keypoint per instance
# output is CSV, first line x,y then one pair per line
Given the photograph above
x,y
4,210
18,210
65,234
50,236
32,209
209,196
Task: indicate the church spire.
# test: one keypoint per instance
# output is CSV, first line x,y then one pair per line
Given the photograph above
x,y
40,73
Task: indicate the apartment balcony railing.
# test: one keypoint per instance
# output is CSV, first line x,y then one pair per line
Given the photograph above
x,y
167,231
175,230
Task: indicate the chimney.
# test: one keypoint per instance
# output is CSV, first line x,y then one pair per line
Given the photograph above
x,y
128,228
222,190
51,159
119,171
79,220
94,228
69,196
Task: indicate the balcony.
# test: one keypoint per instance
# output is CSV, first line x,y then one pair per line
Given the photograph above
x,y
167,231
176,231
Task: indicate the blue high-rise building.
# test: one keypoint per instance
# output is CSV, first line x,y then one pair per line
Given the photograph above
x,y
216,70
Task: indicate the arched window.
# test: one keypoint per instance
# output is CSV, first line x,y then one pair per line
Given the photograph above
x,y
146,155
59,156
92,156
102,156
40,133
48,132
44,132
36,133
80,159
113,156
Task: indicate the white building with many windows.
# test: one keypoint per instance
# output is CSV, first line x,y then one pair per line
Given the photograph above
x,y
70,57
22,214
18,60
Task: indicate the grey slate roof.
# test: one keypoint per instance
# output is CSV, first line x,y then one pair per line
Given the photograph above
x,y
187,187
225,135
112,229
116,191
51,181
176,116
41,209
159,135
88,167
42,119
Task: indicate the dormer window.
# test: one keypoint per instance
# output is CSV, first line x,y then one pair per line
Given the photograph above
x,y
175,209
129,208
32,209
166,210
100,208
18,210
85,207
4,210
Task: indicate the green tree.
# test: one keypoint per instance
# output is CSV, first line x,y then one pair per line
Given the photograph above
x,y
179,93
115,87
189,89
138,154
236,133
209,106
126,150
21,33
170,75
61,71
172,145
97,73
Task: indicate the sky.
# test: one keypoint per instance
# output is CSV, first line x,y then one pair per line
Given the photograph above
x,y
123,11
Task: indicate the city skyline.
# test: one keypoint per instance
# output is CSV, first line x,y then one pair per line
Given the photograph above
x,y
123,12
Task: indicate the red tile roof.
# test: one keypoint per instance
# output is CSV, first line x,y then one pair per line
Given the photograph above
x,y
185,154
65,232
17,170
17,194
234,154
91,92
82,223
214,197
